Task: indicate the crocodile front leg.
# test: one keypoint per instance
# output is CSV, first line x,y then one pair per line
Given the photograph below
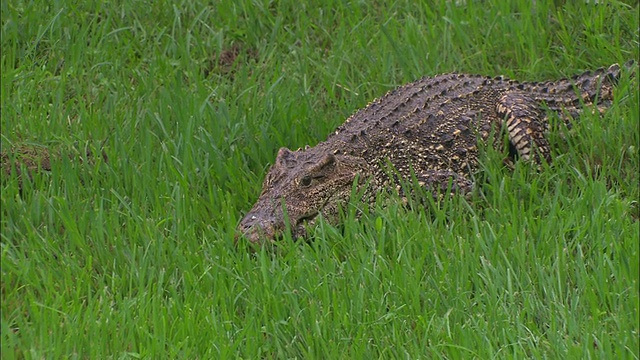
x,y
441,181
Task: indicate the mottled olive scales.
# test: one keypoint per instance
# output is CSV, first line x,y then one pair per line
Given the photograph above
x,y
430,128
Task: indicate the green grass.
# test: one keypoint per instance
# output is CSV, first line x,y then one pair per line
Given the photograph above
x,y
133,257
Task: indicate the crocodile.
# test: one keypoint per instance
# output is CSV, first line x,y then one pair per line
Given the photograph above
x,y
428,130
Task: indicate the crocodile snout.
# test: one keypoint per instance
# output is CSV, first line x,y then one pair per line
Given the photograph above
x,y
255,228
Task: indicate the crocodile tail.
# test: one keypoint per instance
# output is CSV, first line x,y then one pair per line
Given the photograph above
x,y
613,72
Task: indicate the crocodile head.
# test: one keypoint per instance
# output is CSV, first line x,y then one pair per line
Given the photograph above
x,y
300,186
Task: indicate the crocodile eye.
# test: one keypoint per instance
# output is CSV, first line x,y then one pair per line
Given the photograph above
x,y
305,181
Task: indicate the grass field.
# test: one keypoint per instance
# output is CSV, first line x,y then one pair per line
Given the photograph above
x,y
131,255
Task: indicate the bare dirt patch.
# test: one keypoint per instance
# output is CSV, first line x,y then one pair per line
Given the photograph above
x,y
225,62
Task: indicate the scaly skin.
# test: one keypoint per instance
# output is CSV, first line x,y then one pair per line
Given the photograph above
x,y
429,128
